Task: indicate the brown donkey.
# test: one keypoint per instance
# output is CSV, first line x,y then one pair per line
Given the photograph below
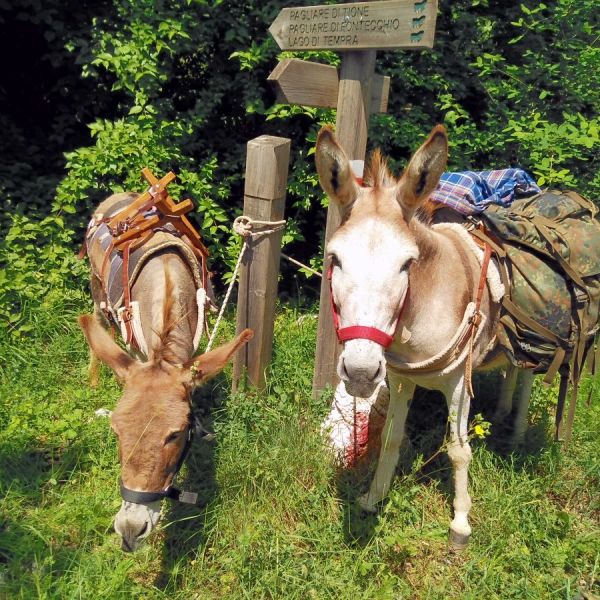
x,y
153,419
409,299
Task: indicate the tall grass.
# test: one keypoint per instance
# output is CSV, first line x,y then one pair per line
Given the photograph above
x,y
276,519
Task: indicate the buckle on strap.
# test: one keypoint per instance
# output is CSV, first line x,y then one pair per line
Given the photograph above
x,y
126,314
475,320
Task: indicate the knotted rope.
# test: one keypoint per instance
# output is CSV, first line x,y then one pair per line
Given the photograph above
x,y
244,227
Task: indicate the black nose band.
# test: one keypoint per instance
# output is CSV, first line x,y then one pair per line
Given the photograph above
x,y
171,492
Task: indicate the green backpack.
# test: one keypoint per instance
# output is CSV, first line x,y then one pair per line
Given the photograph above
x,y
548,250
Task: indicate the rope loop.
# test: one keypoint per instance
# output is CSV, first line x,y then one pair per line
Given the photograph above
x,y
244,227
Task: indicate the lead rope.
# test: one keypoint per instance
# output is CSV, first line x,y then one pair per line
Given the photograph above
x,y
243,226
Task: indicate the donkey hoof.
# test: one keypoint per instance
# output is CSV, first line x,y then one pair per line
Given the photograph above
x,y
366,504
458,541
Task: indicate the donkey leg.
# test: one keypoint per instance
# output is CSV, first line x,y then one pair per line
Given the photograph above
x,y
459,453
94,363
401,392
524,395
504,405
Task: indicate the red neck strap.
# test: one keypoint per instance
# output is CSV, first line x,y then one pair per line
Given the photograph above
x,y
363,332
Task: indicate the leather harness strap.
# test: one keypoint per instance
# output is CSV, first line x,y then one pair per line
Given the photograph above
x,y
127,316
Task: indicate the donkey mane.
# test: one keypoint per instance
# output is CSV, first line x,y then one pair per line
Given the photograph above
x,y
163,349
379,176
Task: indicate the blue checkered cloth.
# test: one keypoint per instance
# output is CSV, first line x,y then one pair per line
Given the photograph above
x,y
469,192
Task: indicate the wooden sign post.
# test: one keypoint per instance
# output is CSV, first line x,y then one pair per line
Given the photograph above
x,y
358,29
267,162
357,26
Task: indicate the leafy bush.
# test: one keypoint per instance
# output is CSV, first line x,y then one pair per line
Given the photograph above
x,y
39,270
182,86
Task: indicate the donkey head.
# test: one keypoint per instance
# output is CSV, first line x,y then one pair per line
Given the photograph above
x,y
152,421
370,255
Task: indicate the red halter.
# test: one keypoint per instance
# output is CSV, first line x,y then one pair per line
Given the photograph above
x,y
355,332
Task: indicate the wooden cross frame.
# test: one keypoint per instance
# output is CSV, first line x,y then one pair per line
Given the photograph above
x,y
358,30
132,226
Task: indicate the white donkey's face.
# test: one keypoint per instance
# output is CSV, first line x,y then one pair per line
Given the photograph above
x,y
371,253
369,281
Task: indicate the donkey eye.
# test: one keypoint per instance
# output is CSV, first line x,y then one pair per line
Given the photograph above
x,y
335,261
172,437
407,265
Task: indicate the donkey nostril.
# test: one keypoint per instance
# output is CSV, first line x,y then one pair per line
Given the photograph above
x,y
143,529
344,371
377,373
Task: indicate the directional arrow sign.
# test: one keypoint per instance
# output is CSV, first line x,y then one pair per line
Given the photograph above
x,y
357,26
312,84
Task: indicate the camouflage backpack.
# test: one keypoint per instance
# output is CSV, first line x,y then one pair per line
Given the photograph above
x,y
548,249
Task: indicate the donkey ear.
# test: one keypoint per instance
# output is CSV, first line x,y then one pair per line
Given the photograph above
x,y
207,365
104,347
333,167
424,170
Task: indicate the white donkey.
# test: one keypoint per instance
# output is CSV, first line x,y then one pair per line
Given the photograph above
x,y
410,299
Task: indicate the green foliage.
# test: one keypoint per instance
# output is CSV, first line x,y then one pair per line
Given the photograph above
x,y
182,86
40,270
507,80
553,148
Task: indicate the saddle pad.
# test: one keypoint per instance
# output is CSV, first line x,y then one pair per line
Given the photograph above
x,y
99,239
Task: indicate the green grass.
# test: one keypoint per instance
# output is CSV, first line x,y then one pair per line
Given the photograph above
x,y
277,520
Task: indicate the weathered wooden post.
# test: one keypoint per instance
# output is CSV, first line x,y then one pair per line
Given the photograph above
x,y
267,162
357,29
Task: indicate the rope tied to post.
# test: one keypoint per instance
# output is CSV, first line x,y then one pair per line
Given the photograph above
x,y
243,226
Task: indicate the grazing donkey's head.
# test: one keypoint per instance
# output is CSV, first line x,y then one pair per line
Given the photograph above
x,y
371,253
152,421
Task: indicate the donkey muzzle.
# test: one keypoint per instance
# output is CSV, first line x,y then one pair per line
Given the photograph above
x,y
361,367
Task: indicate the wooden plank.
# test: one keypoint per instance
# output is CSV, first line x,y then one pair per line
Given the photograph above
x,y
313,84
142,198
357,26
190,230
267,163
306,83
351,128
152,180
